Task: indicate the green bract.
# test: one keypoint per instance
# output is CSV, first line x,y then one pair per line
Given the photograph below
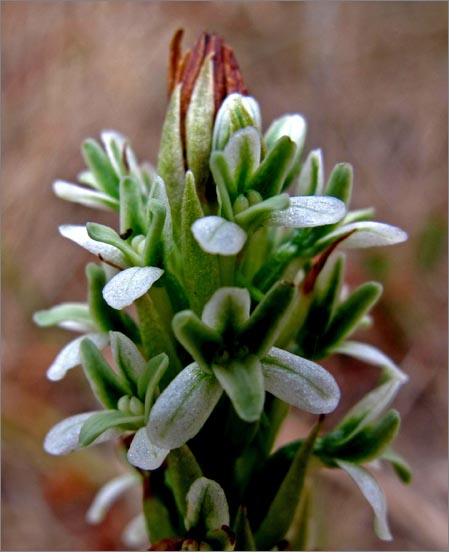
x,y
217,289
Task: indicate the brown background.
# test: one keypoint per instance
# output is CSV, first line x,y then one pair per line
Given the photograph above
x,y
371,79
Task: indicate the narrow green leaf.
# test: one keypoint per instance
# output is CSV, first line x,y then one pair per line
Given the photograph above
x,y
157,517
150,379
339,184
155,337
104,234
244,538
349,314
311,177
196,262
101,167
400,466
152,253
266,322
97,424
132,215
199,339
171,156
105,384
184,470
128,358
269,178
199,122
282,509
226,187
367,444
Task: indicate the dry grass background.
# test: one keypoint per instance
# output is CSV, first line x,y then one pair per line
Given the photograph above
x,y
371,79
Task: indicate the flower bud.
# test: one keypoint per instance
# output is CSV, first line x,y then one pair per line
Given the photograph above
x,y
199,82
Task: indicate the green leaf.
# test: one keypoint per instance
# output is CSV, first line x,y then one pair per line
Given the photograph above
x,y
311,177
149,380
104,234
171,156
373,494
266,322
105,384
261,213
244,538
339,184
128,358
365,445
156,338
152,253
196,262
132,215
349,314
282,509
226,188
184,470
200,340
269,178
243,382
199,122
207,507
400,466
101,167
157,516
97,424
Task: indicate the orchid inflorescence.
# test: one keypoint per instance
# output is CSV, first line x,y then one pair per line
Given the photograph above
x,y
217,294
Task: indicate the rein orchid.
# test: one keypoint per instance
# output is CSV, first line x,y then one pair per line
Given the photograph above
x,y
219,290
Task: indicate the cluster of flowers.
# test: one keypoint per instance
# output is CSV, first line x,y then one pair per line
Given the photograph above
x,y
217,294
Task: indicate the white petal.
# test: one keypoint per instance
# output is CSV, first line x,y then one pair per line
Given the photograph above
x,y
368,234
373,494
206,499
144,454
79,235
300,382
84,196
371,355
70,355
135,533
218,235
63,437
183,407
107,495
292,125
243,149
130,284
309,211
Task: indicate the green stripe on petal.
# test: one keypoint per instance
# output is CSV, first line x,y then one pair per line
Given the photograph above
x,y
243,382
183,407
300,382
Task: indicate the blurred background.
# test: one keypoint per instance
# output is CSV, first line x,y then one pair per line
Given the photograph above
x,y
371,80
